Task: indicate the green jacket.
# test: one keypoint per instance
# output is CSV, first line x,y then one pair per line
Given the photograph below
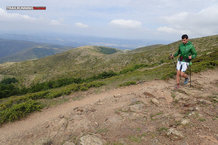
x,y
186,50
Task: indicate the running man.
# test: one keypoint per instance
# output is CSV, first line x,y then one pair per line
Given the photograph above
x,y
186,52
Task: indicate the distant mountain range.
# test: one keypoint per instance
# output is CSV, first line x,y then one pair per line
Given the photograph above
x,y
19,50
17,47
78,40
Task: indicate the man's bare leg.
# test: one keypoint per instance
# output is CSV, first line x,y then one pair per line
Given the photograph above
x,y
178,77
184,75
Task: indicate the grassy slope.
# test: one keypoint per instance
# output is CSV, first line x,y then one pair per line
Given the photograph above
x,y
141,49
77,62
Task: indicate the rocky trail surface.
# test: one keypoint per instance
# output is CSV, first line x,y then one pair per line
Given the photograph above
x,y
149,113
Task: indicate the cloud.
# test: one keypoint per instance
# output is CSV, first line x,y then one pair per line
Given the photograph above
x,y
4,16
167,29
203,22
126,23
81,25
21,22
172,30
55,22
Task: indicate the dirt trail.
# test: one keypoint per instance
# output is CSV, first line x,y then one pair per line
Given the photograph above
x,y
147,113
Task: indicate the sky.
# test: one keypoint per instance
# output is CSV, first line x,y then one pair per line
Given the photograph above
x,y
126,19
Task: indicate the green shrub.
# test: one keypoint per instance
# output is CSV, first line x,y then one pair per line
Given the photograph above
x,y
83,88
38,95
105,75
67,91
54,94
95,84
7,90
18,111
107,50
9,81
132,68
53,84
128,83
161,61
12,101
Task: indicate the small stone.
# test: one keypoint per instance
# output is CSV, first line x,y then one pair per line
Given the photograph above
x,y
185,122
117,96
115,119
96,124
196,109
155,142
134,100
200,115
178,116
99,102
191,109
174,134
136,107
133,116
140,96
61,116
155,101
122,141
204,101
47,125
68,143
192,113
125,109
63,123
148,94
91,140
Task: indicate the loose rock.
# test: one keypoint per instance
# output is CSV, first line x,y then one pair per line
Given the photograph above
x,y
174,134
136,107
185,121
68,143
91,140
155,101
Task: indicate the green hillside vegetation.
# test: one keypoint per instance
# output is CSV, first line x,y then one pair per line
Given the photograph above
x,y
55,76
107,50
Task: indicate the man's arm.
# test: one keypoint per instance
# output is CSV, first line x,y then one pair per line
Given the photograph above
x,y
193,51
177,53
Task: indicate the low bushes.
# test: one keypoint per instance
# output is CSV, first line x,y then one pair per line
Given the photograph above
x,y
18,111
128,83
17,107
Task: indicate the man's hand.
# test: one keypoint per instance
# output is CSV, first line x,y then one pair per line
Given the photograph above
x,y
171,56
189,57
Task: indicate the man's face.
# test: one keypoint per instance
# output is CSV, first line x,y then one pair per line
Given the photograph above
x,y
184,41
